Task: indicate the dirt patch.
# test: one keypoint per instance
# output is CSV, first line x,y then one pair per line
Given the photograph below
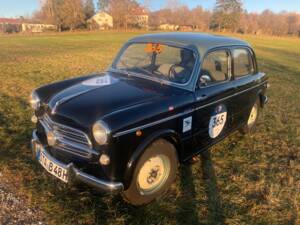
x,y
15,209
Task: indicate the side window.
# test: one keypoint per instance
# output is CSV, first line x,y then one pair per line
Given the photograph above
x,y
242,62
214,68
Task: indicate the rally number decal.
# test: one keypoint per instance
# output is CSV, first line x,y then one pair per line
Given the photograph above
x,y
217,121
99,81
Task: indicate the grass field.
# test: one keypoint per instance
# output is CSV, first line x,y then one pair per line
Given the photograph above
x,y
243,180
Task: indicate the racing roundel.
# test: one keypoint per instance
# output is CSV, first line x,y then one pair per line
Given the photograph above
x,y
217,121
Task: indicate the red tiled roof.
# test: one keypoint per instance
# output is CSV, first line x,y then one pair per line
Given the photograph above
x,y
8,20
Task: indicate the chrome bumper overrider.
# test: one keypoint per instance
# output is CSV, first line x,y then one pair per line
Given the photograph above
x,y
264,100
74,174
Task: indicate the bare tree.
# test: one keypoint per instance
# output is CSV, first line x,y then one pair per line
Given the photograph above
x,y
88,8
103,5
121,11
72,13
227,15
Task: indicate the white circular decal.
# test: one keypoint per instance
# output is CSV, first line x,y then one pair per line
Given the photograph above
x,y
217,121
99,81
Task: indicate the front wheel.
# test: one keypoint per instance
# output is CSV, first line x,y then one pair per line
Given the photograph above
x,y
154,173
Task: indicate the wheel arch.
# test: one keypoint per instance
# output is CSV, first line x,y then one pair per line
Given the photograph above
x,y
167,134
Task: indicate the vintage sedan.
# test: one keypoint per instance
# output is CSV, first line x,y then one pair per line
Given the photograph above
x,y
165,98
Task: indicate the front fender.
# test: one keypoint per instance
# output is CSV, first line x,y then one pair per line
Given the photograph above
x,y
168,134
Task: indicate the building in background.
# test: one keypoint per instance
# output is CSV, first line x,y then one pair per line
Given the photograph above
x,y
101,21
10,25
37,28
17,25
139,18
167,26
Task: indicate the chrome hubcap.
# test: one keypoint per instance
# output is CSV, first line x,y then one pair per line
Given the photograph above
x,y
253,115
153,174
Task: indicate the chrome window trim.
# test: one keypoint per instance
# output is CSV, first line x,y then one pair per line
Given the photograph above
x,y
253,60
229,69
184,86
121,133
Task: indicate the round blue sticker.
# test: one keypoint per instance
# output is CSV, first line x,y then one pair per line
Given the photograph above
x,y
217,121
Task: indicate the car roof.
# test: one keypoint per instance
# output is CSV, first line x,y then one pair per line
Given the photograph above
x,y
202,41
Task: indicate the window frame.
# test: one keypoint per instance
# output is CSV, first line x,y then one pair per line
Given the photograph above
x,y
253,58
230,63
189,85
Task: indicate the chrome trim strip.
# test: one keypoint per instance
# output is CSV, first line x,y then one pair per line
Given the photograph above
x,y
118,134
230,96
68,98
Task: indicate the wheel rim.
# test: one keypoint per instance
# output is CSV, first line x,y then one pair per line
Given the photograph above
x,y
253,115
153,174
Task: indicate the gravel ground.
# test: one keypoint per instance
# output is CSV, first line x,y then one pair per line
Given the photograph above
x,y
14,209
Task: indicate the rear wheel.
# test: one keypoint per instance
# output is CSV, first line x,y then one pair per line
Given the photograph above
x,y
154,173
252,119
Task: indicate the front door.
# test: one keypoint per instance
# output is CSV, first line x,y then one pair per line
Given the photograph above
x,y
214,105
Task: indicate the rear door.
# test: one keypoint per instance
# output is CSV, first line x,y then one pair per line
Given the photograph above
x,y
214,107
246,82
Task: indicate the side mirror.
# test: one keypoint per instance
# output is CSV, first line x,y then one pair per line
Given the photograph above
x,y
204,80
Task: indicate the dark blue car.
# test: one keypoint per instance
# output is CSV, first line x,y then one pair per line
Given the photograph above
x,y
165,98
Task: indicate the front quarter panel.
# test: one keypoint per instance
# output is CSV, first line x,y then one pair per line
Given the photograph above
x,y
159,120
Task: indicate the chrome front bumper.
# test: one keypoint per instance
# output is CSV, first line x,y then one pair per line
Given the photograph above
x,y
74,174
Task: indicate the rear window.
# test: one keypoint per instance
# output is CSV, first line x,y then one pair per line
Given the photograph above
x,y
243,63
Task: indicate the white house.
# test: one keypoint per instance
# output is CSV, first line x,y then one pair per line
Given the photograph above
x,y
139,17
167,26
101,21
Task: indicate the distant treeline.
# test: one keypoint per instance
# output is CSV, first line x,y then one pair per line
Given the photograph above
x,y
227,16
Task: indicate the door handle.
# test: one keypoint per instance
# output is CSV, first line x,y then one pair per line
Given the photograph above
x,y
202,97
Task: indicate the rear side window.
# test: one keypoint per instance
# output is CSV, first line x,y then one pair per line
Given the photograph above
x,y
215,65
243,63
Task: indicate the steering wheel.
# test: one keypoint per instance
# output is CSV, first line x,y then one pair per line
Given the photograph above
x,y
172,72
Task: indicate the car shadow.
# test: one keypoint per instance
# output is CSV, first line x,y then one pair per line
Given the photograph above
x,y
214,204
189,204
187,212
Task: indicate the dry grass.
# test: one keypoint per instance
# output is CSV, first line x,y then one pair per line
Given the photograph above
x,y
244,180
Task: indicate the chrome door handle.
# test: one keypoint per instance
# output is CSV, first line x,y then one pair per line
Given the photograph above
x,y
202,97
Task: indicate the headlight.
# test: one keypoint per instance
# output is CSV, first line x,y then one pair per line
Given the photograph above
x,y
101,132
34,100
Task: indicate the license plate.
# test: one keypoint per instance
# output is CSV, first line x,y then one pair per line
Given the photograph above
x,y
53,168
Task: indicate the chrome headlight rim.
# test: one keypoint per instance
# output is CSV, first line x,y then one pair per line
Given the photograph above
x,y
34,100
101,132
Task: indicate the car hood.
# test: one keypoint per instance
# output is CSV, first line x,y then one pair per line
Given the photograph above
x,y
96,97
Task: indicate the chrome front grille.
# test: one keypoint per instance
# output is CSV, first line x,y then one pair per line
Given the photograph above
x,y
68,139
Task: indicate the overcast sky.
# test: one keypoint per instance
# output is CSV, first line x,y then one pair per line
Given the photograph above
x,y
15,8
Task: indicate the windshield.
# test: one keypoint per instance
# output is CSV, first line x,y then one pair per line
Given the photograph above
x,y
158,61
